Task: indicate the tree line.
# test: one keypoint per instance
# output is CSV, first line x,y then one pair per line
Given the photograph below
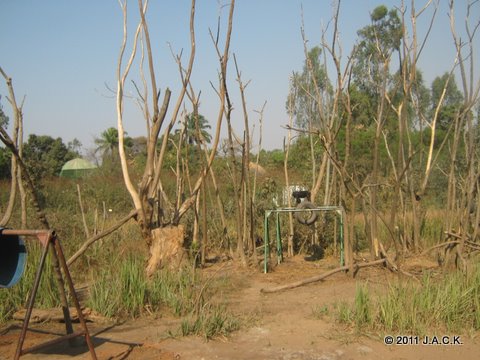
x,y
370,136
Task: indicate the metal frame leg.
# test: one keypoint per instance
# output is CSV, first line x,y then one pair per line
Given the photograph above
x,y
50,242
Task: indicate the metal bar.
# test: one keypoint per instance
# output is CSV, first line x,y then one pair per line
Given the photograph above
x,y
43,236
339,209
342,256
61,287
73,294
267,243
31,303
24,232
318,208
279,239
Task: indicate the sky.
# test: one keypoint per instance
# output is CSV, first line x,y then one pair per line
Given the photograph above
x,y
62,56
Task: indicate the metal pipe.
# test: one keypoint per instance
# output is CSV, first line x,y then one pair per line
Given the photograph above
x,y
31,303
338,209
73,294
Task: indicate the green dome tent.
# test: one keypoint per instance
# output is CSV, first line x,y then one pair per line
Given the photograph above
x,y
77,168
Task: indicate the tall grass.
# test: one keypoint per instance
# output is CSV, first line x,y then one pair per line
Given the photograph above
x,y
450,304
126,292
120,291
212,321
363,309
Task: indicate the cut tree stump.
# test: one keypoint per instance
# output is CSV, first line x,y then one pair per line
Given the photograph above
x,y
167,248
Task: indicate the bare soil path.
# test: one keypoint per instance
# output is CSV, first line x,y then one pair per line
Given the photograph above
x,y
295,324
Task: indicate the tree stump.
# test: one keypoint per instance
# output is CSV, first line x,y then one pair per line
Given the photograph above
x,y
166,249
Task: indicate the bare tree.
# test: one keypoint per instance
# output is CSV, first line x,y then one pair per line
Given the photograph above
x,y
147,196
287,146
16,171
462,210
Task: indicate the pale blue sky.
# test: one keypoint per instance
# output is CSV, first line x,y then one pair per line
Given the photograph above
x,y
61,54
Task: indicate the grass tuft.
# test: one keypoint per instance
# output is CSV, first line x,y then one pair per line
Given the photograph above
x,y
451,304
127,292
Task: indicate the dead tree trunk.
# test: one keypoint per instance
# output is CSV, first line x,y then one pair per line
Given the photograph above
x,y
146,194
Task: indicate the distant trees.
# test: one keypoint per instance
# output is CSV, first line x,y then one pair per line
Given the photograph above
x,y
395,144
3,117
5,157
302,102
377,43
370,135
452,100
45,155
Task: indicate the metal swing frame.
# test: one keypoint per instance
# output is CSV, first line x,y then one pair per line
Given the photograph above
x,y
338,209
48,239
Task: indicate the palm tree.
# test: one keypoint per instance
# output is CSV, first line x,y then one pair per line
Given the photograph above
x,y
107,144
195,124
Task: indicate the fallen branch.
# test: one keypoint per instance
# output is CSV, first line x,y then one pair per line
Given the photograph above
x,y
473,245
447,243
389,262
90,241
316,278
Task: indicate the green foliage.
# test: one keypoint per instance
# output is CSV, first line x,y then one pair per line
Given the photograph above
x,y
124,290
344,313
196,129
363,106
75,146
377,42
107,145
362,307
45,155
300,157
452,99
195,132
5,159
272,159
449,304
176,290
306,89
213,321
3,117
319,312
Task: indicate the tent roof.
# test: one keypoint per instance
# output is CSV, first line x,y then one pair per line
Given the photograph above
x,y
78,164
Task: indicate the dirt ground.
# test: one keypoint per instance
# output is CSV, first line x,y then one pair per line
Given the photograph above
x,y
286,325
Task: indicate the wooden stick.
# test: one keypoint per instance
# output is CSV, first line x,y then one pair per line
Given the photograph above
x,y
85,226
447,243
321,276
90,241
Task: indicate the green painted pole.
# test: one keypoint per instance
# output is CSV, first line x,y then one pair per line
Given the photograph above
x,y
279,240
342,258
267,243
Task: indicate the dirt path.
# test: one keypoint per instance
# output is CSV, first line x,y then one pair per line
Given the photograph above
x,y
290,325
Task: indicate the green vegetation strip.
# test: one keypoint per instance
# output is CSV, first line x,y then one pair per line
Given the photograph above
x,y
450,303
